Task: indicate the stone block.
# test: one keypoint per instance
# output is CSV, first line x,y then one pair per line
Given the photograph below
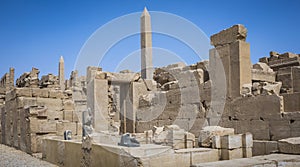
x,y
42,126
230,35
231,141
271,147
289,145
68,115
61,127
199,156
51,104
296,79
10,95
68,105
55,115
258,75
37,92
291,102
231,154
247,140
57,94
209,131
216,142
247,152
26,102
23,92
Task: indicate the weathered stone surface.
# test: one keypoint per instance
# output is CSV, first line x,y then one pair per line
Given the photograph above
x,y
231,141
289,146
269,89
209,131
291,102
231,154
230,35
247,152
37,92
29,79
261,147
247,140
61,127
49,81
274,160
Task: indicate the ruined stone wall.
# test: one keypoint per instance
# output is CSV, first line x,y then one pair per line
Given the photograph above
x,y
257,106
31,114
35,109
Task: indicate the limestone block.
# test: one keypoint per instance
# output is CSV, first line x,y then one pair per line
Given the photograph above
x,y
296,79
10,95
258,75
42,126
247,152
230,35
76,116
78,129
68,105
58,94
247,140
288,55
291,102
23,92
51,104
37,92
216,142
231,141
36,111
55,115
182,158
61,127
209,131
289,145
231,154
262,67
199,156
269,89
261,147
68,115
271,147
26,102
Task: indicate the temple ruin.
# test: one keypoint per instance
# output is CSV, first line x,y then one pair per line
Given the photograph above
x,y
177,115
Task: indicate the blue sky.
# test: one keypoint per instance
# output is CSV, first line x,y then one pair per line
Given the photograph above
x,y
35,33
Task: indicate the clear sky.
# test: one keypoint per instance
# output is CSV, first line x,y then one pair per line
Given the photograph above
x,y
35,33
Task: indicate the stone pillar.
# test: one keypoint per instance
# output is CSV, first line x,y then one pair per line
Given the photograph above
x,y
11,77
61,73
296,79
146,46
235,55
127,112
97,101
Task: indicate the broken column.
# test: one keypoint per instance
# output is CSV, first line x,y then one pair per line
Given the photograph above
x,y
234,52
146,46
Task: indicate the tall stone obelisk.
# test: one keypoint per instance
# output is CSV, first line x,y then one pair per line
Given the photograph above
x,y
61,73
146,46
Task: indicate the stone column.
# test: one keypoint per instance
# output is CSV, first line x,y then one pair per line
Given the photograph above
x,y
234,52
146,46
61,73
11,77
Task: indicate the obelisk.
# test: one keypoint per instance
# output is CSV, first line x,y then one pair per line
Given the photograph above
x,y
61,73
146,46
